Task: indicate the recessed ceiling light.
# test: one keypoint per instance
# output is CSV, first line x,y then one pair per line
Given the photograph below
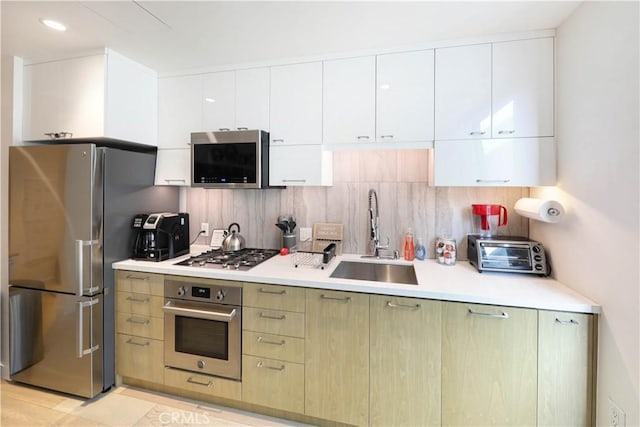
x,y
54,25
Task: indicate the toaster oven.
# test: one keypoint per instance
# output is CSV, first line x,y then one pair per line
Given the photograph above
x,y
507,253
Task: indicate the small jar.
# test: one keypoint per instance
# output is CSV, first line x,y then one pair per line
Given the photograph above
x,y
446,251
421,251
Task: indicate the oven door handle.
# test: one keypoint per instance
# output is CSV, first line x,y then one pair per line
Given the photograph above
x,y
173,308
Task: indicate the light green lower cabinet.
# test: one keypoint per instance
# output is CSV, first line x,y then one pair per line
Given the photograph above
x,y
273,383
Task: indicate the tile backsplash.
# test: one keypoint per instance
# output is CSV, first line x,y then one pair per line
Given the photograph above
x,y
405,200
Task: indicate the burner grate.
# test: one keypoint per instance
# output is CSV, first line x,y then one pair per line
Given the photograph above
x,y
243,259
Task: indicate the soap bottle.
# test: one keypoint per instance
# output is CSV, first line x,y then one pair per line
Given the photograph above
x,y
409,248
421,251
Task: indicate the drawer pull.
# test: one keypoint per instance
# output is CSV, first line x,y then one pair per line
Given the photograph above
x,y
132,277
267,316
145,300
132,342
192,381
265,291
502,315
567,322
409,306
138,322
262,365
345,299
264,341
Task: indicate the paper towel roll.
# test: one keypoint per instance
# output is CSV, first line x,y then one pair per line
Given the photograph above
x,y
541,210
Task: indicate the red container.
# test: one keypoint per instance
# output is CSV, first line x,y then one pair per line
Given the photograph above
x,y
490,217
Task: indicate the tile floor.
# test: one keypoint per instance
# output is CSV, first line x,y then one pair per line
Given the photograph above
x,y
124,406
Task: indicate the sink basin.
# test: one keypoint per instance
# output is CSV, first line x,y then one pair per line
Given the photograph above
x,y
376,272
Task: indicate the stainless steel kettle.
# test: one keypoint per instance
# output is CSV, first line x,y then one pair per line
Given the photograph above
x,y
234,241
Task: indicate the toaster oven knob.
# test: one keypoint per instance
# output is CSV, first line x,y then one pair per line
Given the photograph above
x,y
181,291
200,364
538,267
220,295
537,258
536,249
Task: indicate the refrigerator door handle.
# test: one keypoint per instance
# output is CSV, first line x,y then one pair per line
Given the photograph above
x,y
81,350
80,244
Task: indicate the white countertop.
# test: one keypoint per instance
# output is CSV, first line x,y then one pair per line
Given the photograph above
x,y
460,282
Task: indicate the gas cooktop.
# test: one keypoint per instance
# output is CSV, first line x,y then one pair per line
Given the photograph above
x,y
244,259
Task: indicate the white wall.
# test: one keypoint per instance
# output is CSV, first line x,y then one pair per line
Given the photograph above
x,y
595,250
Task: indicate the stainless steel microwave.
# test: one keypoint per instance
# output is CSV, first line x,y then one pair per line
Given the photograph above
x,y
230,159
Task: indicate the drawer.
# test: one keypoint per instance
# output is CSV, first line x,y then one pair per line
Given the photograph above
x,y
273,321
206,384
273,383
273,297
141,358
140,283
141,326
140,304
278,347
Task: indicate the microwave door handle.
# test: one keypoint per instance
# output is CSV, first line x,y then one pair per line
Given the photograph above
x,y
170,307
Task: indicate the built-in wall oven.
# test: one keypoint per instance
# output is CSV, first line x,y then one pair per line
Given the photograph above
x,y
202,326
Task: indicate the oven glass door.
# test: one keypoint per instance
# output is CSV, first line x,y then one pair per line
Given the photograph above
x,y
512,257
203,338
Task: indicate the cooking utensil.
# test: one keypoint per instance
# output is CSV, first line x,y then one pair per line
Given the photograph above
x,y
234,241
282,227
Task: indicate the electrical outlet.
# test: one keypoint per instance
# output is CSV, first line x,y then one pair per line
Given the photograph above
x,y
204,227
305,233
617,417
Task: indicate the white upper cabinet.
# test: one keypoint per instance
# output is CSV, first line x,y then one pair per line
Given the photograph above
x,y
523,88
105,95
252,99
173,166
300,165
499,90
296,104
179,110
218,101
349,100
404,101
463,92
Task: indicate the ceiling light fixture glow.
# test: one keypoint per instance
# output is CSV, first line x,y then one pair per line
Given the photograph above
x,y
54,25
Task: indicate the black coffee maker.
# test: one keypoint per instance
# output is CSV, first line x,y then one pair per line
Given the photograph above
x,y
160,236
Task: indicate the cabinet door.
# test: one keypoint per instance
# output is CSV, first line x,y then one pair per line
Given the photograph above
x,y
252,99
179,110
337,356
65,96
218,101
300,165
523,88
404,102
498,162
489,365
565,369
173,166
296,104
349,100
139,357
463,92
405,361
273,383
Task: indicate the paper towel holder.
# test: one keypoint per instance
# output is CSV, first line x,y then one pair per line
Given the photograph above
x,y
549,211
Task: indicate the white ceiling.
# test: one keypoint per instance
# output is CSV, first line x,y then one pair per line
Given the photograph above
x,y
171,36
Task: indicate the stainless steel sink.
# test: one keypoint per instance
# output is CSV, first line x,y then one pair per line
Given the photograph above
x,y
376,272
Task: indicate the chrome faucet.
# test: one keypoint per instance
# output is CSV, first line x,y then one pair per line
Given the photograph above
x,y
374,246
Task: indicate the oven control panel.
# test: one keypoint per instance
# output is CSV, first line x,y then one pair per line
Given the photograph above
x,y
214,292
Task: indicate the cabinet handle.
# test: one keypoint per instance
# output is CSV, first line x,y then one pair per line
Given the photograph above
x,y
132,342
263,341
264,291
266,316
192,381
262,365
243,128
502,315
506,132
58,135
567,322
492,180
362,137
477,132
224,129
345,299
386,136
175,180
294,180
138,299
130,277
277,140
138,322
409,306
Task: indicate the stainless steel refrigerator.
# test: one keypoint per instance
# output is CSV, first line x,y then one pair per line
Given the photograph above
x,y
70,213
